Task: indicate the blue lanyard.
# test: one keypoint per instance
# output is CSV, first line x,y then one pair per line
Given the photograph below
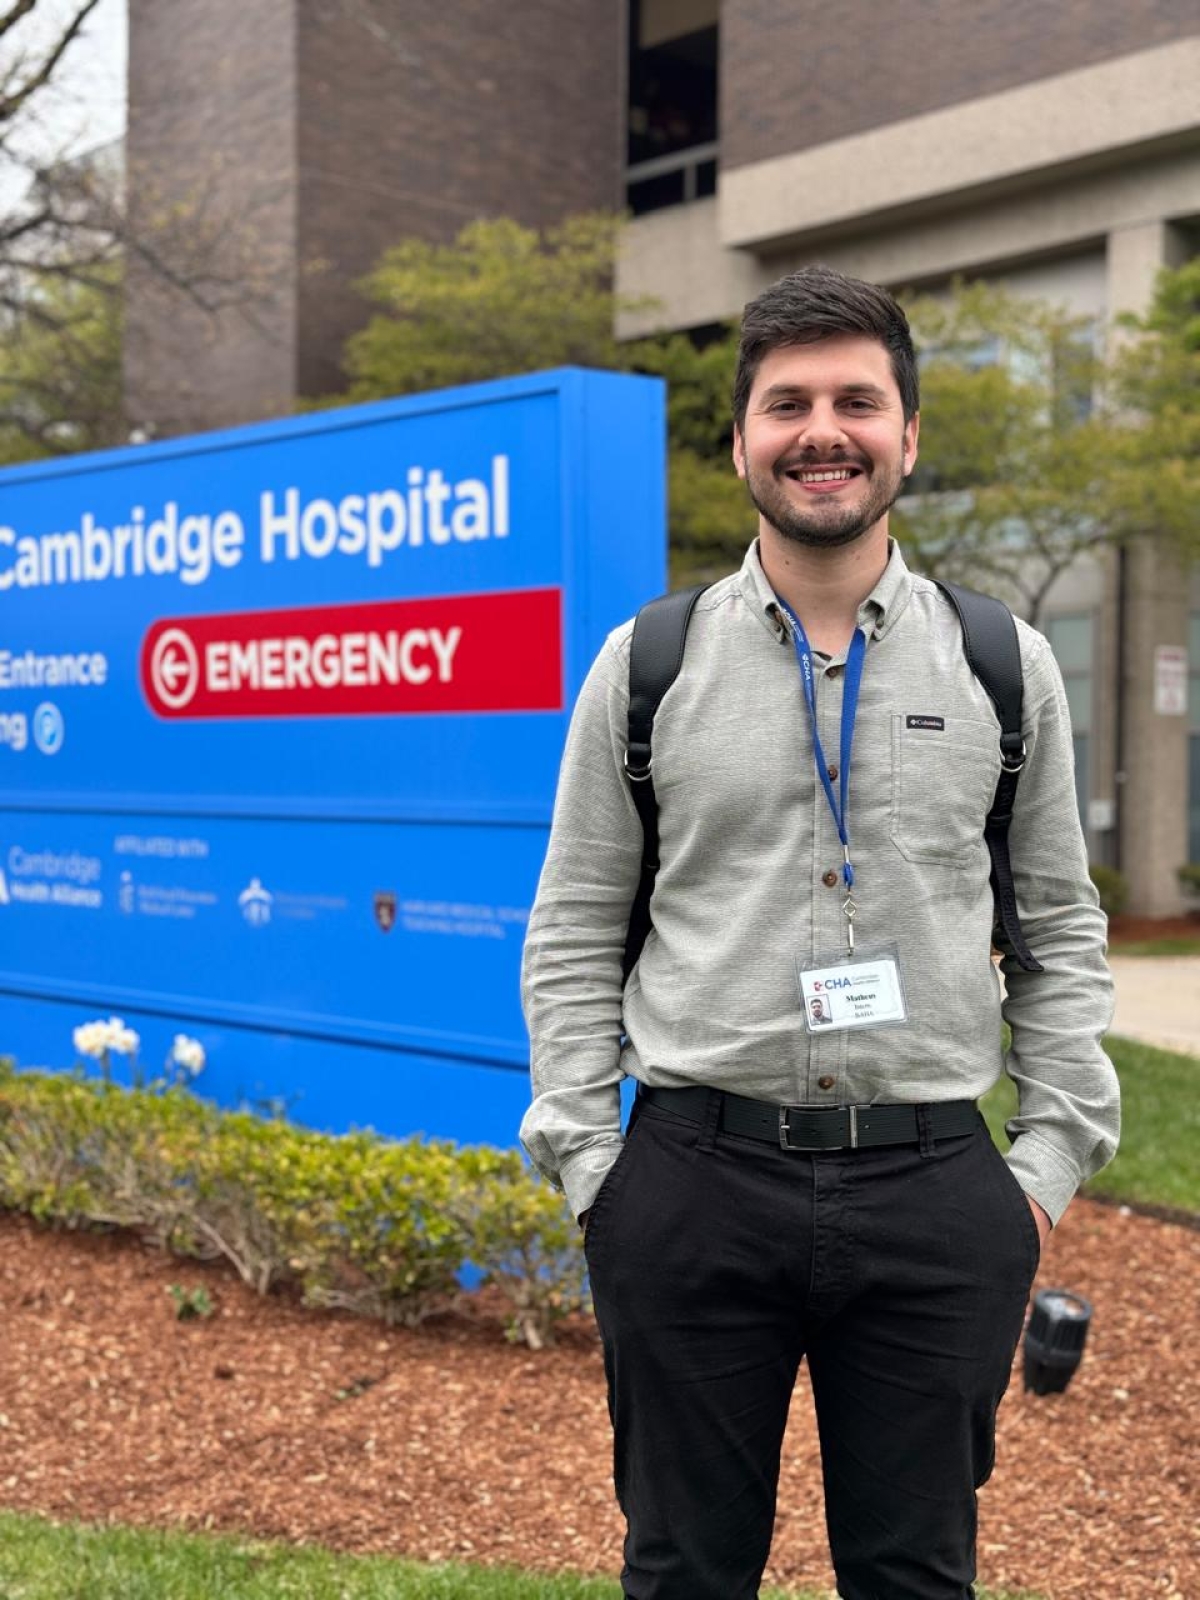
x,y
854,667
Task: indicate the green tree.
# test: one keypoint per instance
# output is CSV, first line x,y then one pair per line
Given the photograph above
x,y
60,368
504,299
1155,486
1036,448
500,300
1016,450
711,517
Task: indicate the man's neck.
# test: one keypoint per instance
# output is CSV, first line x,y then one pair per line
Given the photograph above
x,y
824,587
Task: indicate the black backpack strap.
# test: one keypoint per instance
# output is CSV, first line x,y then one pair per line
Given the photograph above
x,y
655,657
993,653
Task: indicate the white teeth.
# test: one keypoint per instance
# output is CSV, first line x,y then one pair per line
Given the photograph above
x,y
825,477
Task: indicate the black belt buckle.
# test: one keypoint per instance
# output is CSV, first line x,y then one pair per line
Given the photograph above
x,y
785,1142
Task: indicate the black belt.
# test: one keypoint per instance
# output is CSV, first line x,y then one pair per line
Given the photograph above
x,y
821,1127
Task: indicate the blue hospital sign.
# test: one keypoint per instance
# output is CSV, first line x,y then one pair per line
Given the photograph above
x,y
281,711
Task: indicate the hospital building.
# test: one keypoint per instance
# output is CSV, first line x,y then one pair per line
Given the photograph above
x,y
1050,148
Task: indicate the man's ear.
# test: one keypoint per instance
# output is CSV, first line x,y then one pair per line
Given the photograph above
x,y
911,430
739,452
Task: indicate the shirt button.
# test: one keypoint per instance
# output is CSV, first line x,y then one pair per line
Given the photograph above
x,y
833,772
826,1082
832,672
830,879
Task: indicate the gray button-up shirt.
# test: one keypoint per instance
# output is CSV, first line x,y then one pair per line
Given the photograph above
x,y
748,846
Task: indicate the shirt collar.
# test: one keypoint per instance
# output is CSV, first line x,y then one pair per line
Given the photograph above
x,y
878,612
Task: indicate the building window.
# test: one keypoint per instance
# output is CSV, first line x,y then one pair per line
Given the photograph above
x,y
672,149
1194,738
1071,641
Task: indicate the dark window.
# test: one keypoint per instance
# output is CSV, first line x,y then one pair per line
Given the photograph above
x,y
651,194
671,150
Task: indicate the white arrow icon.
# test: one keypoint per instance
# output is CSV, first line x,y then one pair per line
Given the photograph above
x,y
174,668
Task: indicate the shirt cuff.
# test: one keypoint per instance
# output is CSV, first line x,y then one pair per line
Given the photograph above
x,y
582,1176
1044,1173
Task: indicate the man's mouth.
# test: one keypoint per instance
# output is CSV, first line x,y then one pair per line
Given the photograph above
x,y
823,478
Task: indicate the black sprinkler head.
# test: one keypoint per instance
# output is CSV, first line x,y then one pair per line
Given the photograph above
x,y
1054,1339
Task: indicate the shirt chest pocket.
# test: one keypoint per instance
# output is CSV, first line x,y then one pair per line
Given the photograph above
x,y
943,782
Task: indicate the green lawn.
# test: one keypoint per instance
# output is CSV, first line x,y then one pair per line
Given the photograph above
x,y
1156,1163
42,1561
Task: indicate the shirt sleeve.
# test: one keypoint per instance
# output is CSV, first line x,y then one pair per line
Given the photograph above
x,y
572,982
1068,1117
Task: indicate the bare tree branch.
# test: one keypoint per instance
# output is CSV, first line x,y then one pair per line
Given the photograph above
x,y
12,102
19,227
85,235
19,9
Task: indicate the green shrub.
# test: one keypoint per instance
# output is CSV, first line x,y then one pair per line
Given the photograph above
x,y
1112,887
1189,877
377,1226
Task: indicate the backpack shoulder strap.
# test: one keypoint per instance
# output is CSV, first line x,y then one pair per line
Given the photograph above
x,y
993,653
655,657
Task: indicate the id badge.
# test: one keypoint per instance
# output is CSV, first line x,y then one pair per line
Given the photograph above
x,y
859,991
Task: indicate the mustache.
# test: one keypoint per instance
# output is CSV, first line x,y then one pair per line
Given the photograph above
x,y
815,464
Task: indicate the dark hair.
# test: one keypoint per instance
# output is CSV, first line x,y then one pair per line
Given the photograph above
x,y
818,303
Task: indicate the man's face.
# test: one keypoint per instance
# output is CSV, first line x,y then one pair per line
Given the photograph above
x,y
825,449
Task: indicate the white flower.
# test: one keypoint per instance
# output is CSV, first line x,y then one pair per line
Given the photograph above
x,y
123,1040
91,1039
99,1039
188,1053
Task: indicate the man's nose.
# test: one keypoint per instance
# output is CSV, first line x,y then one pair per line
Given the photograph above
x,y
821,426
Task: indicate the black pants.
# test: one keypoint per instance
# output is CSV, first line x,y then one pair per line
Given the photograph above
x,y
902,1275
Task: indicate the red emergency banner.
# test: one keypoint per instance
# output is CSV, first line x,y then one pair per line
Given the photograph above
x,y
475,652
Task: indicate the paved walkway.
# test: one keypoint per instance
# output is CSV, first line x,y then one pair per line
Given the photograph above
x,y
1158,1000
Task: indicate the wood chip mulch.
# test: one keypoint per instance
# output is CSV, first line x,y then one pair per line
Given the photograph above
x,y
445,1442
1127,929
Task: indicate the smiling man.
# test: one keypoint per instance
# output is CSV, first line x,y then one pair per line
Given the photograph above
x,y
809,1178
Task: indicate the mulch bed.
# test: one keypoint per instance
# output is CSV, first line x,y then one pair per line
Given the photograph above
x,y
1136,930
445,1442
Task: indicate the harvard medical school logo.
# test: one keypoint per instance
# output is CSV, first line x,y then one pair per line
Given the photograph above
x,y
385,910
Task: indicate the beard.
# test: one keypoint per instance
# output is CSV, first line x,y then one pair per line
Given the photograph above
x,y
826,524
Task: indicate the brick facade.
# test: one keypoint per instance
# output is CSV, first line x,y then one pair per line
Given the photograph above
x,y
211,182
415,119
802,74
320,132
